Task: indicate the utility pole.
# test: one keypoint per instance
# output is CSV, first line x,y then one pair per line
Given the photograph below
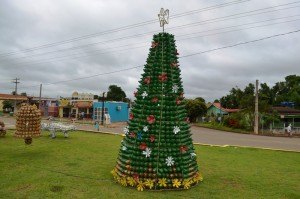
x,y
40,100
256,109
102,114
16,81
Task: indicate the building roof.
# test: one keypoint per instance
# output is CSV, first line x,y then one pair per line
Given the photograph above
x,y
43,98
228,110
283,110
12,97
83,104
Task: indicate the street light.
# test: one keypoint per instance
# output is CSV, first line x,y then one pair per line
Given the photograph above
x,y
102,115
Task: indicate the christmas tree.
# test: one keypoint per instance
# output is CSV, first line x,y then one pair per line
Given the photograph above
x,y
157,151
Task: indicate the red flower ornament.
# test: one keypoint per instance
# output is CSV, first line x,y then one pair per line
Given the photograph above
x,y
183,149
131,116
154,99
150,119
147,80
163,77
135,177
181,95
143,146
178,101
174,64
154,44
152,138
187,120
132,135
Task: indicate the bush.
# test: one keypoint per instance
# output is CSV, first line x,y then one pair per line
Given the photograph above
x,y
237,120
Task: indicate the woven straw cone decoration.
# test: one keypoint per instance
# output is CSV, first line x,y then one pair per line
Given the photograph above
x,y
2,129
28,121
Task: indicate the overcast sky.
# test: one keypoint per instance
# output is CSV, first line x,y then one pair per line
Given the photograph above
x,y
29,24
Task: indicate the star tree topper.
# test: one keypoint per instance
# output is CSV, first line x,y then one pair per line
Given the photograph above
x,y
163,17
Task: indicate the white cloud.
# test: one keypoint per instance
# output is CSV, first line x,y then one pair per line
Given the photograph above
x,y
26,24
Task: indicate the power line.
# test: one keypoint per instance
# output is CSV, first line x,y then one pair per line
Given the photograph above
x,y
55,59
184,56
124,28
238,44
229,31
250,23
232,16
229,17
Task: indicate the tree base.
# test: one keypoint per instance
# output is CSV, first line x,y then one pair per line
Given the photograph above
x,y
160,184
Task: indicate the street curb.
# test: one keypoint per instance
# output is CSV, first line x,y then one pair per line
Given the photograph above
x,y
252,147
198,143
203,144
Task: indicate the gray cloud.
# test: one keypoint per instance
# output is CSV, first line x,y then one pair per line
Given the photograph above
x,y
26,24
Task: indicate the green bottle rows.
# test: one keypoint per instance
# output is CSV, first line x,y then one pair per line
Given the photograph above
x,y
157,151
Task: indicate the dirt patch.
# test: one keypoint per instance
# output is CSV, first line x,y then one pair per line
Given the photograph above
x,y
231,183
56,188
24,187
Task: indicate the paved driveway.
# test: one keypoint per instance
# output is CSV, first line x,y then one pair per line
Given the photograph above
x,y
208,136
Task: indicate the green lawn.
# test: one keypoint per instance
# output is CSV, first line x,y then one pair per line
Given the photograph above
x,y
79,167
221,127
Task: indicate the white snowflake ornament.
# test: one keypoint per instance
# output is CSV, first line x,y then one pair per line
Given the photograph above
x,y
124,148
147,152
145,129
176,130
169,161
126,130
193,155
175,88
144,94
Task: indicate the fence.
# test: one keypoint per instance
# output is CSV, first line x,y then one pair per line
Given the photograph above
x,y
280,127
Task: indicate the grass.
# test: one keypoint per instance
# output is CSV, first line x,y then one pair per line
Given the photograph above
x,y
222,128
79,167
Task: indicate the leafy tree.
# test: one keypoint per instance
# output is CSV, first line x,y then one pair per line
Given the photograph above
x,y
115,93
96,97
24,94
285,91
266,94
216,101
247,101
195,108
7,104
201,99
232,100
289,90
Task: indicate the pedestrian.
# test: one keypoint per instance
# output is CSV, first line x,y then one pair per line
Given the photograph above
x,y
289,130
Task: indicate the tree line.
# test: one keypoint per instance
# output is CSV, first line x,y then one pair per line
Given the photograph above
x,y
285,91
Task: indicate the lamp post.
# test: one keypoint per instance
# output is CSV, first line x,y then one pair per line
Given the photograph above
x,y
102,114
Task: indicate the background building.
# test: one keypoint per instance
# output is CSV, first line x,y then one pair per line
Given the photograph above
x,y
12,98
48,106
118,111
79,105
215,109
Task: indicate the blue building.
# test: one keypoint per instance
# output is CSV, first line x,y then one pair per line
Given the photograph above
x,y
118,111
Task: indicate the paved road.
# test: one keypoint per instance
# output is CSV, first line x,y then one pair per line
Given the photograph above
x,y
209,136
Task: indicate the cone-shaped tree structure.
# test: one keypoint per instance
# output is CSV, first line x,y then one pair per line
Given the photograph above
x,y
157,151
